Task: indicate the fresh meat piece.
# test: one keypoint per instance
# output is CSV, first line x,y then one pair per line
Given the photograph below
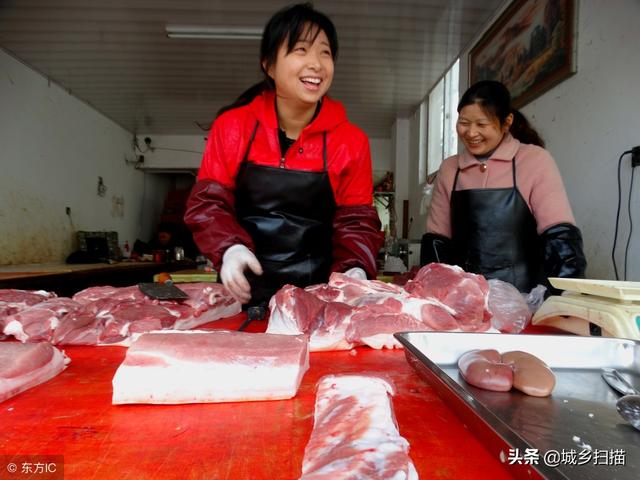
x,y
466,293
92,294
331,334
24,365
295,311
111,315
325,292
14,301
132,317
441,298
37,322
353,291
78,328
374,325
530,374
433,314
510,312
355,435
24,297
485,369
209,301
197,367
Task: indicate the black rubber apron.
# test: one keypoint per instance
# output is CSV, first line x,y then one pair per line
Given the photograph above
x,y
494,234
289,215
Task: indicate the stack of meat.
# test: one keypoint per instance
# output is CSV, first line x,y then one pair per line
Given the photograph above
x,y
348,312
108,315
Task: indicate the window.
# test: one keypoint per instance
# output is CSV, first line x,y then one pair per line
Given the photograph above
x,y
440,112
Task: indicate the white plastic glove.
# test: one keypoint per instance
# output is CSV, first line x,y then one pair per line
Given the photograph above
x,y
235,261
357,273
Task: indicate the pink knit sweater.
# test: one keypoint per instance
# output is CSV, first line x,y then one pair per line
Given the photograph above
x,y
537,178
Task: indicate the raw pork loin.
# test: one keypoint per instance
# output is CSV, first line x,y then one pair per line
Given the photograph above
x,y
171,367
347,312
466,293
37,322
24,365
14,301
355,435
108,315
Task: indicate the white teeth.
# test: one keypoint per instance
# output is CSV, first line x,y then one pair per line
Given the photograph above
x,y
315,81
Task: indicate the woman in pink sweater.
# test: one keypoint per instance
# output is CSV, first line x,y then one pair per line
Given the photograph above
x,y
500,208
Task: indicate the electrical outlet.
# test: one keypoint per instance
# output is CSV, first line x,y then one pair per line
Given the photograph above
x,y
635,157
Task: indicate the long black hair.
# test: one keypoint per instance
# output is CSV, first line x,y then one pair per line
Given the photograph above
x,y
288,24
495,99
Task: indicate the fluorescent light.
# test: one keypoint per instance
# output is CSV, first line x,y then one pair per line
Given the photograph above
x,y
220,33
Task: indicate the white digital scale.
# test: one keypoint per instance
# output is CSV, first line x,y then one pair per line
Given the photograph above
x,y
604,308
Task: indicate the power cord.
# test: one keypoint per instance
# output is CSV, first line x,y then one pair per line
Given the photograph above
x,y
626,250
635,151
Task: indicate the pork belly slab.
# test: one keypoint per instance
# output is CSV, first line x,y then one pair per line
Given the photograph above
x,y
355,435
25,365
171,367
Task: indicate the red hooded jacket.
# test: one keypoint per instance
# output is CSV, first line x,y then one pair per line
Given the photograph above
x,y
210,209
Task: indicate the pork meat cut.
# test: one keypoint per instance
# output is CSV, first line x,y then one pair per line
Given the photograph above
x,y
25,365
172,367
465,293
37,322
108,315
355,435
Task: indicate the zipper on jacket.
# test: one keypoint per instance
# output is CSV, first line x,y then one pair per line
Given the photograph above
x,y
282,162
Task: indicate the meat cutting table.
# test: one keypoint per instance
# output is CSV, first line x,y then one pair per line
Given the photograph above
x,y
72,415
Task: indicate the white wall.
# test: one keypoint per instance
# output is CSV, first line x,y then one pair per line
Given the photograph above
x,y
400,147
54,147
589,120
381,157
415,189
173,151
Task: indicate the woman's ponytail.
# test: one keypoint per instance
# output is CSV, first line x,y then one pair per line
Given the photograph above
x,y
522,130
246,97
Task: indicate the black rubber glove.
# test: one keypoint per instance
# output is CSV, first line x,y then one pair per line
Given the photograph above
x,y
563,255
435,248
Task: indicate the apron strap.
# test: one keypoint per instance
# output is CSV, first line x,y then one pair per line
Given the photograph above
x,y
513,169
324,150
253,135
455,180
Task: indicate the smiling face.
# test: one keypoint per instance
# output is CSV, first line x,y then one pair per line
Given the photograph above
x,y
479,131
304,74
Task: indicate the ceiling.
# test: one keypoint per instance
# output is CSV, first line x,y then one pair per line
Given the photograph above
x,y
115,55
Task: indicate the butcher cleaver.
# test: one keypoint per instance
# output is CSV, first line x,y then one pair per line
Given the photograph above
x,y
162,291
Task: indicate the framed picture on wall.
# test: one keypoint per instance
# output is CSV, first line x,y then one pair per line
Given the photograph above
x,y
530,48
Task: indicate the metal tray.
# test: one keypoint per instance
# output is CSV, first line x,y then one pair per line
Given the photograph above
x,y
579,415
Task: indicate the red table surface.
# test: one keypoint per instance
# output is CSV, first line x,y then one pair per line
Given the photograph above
x,y
72,415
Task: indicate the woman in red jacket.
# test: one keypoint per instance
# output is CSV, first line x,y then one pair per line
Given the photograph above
x,y
284,192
